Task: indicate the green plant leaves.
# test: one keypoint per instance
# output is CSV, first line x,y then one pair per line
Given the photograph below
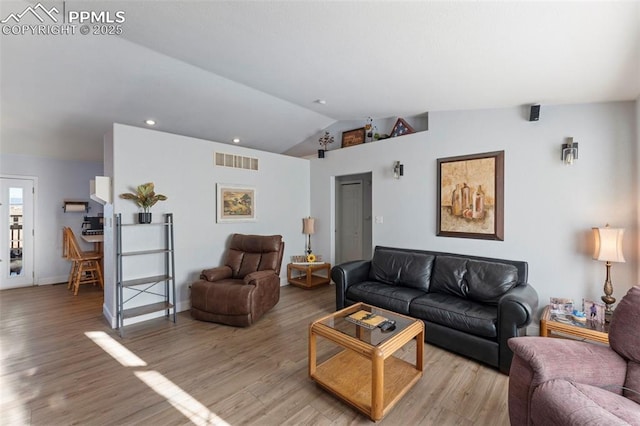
x,y
145,196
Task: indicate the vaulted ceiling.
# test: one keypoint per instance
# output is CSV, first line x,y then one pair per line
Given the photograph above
x,y
254,70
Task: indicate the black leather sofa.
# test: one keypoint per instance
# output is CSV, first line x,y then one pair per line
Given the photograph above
x,y
470,305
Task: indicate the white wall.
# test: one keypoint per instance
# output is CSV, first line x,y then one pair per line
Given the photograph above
x,y
57,180
182,168
549,209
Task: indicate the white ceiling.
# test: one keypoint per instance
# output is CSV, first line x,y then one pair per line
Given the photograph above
x,y
218,70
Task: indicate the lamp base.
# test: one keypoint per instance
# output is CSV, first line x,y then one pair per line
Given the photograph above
x,y
608,299
607,316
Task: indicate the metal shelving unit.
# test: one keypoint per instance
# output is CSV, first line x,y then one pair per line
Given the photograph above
x,y
160,286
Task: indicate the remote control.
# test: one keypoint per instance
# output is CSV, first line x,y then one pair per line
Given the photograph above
x,y
387,325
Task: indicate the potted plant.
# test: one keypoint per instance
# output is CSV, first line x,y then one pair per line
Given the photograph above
x,y
145,198
324,141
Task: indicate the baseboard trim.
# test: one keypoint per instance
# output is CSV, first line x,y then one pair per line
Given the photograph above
x,y
52,280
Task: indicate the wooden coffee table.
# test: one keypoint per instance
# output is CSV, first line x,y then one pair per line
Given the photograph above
x,y
364,373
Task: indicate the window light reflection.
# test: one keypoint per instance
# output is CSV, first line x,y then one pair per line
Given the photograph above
x,y
121,354
182,401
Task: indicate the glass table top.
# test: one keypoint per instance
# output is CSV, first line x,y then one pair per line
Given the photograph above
x,y
373,336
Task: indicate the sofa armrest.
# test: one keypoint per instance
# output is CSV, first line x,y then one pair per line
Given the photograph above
x,y
346,274
515,311
518,305
216,274
257,277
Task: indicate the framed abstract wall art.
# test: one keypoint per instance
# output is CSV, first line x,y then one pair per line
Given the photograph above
x,y
471,196
235,203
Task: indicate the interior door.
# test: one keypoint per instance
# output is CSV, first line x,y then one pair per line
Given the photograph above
x,y
16,233
350,221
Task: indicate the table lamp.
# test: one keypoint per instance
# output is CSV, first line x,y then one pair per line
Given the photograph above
x,y
308,228
608,248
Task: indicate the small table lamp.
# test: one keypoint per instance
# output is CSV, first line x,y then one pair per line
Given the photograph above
x,y
608,248
308,228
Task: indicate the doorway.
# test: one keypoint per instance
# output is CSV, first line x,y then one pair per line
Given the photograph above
x,y
16,232
353,217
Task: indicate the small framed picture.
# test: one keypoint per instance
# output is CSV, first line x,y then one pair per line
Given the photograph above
x,y
353,137
562,306
236,203
593,310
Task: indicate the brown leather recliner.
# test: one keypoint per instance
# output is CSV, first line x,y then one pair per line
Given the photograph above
x,y
243,290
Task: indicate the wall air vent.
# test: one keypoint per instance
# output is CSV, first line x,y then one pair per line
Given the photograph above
x,y
235,161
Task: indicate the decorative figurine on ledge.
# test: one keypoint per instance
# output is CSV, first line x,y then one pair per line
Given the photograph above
x,y
324,141
368,128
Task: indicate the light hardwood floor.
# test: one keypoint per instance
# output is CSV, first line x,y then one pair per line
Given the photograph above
x,y
52,373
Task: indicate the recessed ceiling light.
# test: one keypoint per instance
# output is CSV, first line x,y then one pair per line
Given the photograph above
x,y
236,140
150,122
321,101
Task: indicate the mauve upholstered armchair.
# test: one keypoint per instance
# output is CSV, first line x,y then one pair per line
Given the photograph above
x,y
568,382
246,287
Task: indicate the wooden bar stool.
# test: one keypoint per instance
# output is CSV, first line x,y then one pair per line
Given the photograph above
x,y
85,267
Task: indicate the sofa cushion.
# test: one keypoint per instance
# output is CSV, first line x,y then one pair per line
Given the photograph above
x,y
461,314
562,402
478,280
396,267
448,276
393,298
488,281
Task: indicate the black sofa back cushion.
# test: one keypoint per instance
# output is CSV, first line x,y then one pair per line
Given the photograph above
x,y
477,280
448,276
488,281
401,268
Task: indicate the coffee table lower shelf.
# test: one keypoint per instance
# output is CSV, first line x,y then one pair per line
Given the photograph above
x,y
348,375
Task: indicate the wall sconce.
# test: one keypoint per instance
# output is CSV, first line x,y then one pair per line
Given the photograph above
x,y
398,170
75,206
569,151
308,228
608,248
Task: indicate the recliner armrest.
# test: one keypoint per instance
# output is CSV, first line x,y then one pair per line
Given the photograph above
x,y
216,274
255,278
577,361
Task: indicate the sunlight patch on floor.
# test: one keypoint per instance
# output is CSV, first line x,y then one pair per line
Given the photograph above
x,y
121,354
13,391
14,411
182,401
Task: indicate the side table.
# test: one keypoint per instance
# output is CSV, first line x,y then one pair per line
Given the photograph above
x,y
550,327
306,277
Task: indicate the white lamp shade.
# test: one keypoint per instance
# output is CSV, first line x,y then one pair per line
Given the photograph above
x,y
308,225
608,244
